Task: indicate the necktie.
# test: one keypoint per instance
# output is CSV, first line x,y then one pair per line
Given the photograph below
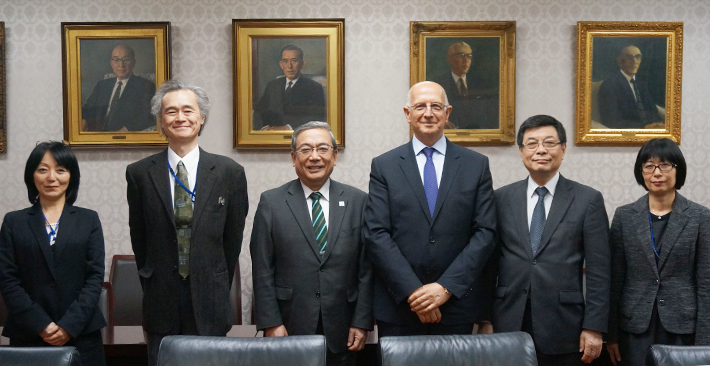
x,y
431,187
462,88
319,226
639,102
537,224
112,106
183,220
290,85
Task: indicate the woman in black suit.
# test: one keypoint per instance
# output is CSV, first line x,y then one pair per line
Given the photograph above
x,y
660,247
52,260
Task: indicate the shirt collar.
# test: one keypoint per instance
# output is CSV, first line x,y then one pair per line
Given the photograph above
x,y
293,82
628,78
125,81
551,185
456,78
190,159
325,190
440,145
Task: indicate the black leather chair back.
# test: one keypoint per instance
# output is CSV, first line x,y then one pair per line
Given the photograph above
x,y
217,351
500,349
662,355
39,356
127,292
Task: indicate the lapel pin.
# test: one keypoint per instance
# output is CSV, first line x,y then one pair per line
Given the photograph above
x,y
221,201
341,203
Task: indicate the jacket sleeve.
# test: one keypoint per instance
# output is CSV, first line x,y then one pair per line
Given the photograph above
x,y
362,317
702,280
234,228
618,274
595,236
136,221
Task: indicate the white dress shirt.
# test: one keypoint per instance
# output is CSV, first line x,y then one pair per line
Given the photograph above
x,y
628,80
532,196
456,80
293,82
123,87
324,201
190,161
437,157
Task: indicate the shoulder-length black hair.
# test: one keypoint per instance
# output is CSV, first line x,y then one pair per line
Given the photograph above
x,y
64,157
665,150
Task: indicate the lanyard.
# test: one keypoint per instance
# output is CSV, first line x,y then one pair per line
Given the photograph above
x,y
52,232
653,240
191,193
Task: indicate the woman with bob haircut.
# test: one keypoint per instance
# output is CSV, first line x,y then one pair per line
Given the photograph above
x,y
660,261
52,260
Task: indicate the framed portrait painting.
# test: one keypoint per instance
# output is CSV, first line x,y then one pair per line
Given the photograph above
x,y
629,78
475,64
3,91
110,73
287,73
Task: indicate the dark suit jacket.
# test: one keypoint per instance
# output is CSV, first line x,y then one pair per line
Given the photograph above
x,y
132,110
479,109
293,283
303,103
618,107
41,284
679,284
576,231
220,208
409,248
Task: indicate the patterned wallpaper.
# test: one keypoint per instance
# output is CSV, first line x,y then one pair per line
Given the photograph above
x,y
377,79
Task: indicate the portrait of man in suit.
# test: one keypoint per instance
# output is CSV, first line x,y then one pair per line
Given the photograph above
x,y
548,228
474,99
120,103
429,226
186,212
624,97
292,99
310,271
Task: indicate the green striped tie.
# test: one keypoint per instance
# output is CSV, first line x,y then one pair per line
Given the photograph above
x,y
319,226
183,221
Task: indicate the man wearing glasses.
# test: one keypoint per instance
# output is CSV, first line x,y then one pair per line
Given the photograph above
x,y
121,103
430,226
548,227
310,272
624,100
473,106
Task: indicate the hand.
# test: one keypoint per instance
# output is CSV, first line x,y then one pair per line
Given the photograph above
x,y
590,342
83,125
58,338
278,331
428,298
614,354
123,129
49,330
485,328
433,316
658,125
356,339
276,128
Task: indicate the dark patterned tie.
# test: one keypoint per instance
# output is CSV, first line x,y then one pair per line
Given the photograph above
x,y
319,226
112,107
639,101
462,88
537,224
183,220
290,85
431,187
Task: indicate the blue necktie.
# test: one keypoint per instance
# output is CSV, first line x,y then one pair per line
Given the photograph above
x,y
537,224
431,187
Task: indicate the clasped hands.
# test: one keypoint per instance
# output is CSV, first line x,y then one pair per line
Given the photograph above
x,y
55,335
425,301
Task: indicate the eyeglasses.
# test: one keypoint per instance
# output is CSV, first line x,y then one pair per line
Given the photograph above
x,y
546,144
321,150
633,57
663,167
468,56
422,107
125,59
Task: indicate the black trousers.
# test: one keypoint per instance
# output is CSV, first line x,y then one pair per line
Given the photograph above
x,y
90,347
565,359
345,358
385,329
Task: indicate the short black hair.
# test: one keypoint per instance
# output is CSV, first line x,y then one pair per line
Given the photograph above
x,y
665,150
542,120
291,47
64,157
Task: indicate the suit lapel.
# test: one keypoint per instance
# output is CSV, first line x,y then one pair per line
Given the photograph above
x,y
676,223
520,216
206,179
560,203
67,225
296,202
335,217
159,174
451,168
643,233
35,220
410,169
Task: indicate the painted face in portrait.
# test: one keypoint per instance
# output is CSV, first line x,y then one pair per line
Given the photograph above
x,y
662,179
291,64
51,179
629,60
427,112
459,57
314,158
180,116
122,61
542,160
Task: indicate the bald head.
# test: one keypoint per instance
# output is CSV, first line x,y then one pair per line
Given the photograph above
x,y
459,57
416,88
629,60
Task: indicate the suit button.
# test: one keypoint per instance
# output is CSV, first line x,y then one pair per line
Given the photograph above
x,y
318,294
52,284
655,282
432,240
322,269
661,302
534,262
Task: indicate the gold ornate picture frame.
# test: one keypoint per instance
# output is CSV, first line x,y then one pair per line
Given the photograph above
x,y
110,73
3,92
629,82
287,72
483,110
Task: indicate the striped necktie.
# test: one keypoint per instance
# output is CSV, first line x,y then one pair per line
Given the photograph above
x,y
183,220
319,226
